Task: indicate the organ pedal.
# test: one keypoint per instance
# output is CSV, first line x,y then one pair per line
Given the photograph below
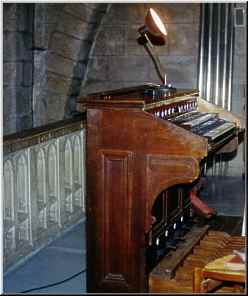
x,y
208,246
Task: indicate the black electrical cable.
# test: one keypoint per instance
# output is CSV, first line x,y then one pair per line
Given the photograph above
x,y
54,284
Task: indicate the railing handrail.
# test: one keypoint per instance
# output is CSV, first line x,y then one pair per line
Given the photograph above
x,y
24,139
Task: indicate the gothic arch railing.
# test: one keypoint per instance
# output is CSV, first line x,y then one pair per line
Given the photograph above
x,y
38,167
41,188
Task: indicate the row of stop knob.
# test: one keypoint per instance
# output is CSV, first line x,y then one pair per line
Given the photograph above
x,y
185,107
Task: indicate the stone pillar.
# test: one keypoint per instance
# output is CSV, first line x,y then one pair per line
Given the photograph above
x,y
17,67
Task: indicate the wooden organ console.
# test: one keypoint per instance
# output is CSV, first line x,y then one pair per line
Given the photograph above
x,y
145,152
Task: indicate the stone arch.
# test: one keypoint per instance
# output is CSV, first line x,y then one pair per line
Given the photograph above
x,y
41,175
77,160
62,54
21,184
53,205
8,199
52,171
68,164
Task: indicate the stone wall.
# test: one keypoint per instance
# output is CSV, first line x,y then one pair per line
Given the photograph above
x,y
64,34
55,52
118,60
46,48
17,60
239,91
239,67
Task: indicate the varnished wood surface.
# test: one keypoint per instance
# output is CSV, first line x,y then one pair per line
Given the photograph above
x,y
30,137
131,158
167,267
132,99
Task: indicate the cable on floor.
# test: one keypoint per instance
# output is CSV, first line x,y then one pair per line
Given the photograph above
x,y
54,284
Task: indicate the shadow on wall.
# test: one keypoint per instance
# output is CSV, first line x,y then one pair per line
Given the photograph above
x,y
84,56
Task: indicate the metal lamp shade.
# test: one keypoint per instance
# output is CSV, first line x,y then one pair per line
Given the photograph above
x,y
154,24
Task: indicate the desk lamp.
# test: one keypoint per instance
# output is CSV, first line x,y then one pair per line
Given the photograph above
x,y
154,33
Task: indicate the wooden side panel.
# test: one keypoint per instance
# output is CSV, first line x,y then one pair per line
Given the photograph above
x,y
117,178
164,171
131,158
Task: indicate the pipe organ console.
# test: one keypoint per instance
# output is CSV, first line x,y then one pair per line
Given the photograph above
x,y
145,153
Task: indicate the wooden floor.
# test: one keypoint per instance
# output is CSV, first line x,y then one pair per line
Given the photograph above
x,y
223,236
229,224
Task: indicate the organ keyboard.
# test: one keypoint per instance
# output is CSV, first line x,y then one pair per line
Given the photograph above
x,y
146,147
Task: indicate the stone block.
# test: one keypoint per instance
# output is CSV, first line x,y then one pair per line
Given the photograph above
x,y
75,87
179,69
39,108
70,47
95,86
111,41
48,13
65,45
56,102
240,46
71,106
39,63
238,100
239,69
45,106
39,74
9,101
58,83
42,35
126,13
238,91
17,46
75,27
17,100
9,126
27,74
24,122
10,10
60,65
54,11
79,70
91,6
124,69
132,68
84,12
23,100
9,25
183,39
17,17
12,74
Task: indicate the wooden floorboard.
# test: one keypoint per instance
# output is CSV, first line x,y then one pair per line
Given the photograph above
x,y
221,239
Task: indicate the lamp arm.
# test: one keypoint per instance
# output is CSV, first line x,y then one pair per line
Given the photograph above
x,y
158,66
